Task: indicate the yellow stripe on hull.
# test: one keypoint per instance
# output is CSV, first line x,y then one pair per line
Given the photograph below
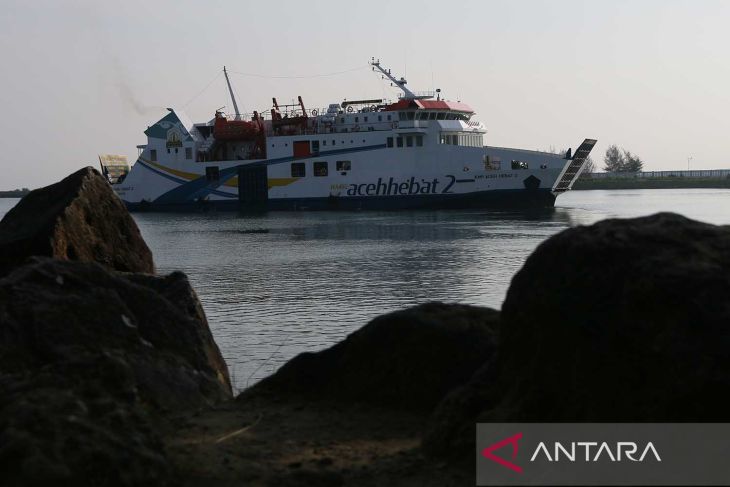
x,y
231,183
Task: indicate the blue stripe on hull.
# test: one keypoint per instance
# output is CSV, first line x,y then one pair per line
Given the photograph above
x,y
497,199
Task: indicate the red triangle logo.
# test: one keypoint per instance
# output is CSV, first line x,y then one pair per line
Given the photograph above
x,y
512,440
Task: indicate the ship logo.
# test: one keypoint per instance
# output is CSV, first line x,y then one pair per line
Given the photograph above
x,y
174,138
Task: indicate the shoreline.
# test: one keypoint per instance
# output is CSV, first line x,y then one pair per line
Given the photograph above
x,y
650,183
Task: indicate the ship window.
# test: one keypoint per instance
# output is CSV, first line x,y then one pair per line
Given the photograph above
x,y
342,120
168,150
380,118
402,116
188,153
440,116
175,150
389,118
212,173
399,141
343,166
432,116
519,165
419,140
298,170
324,142
390,141
315,147
411,115
455,139
320,168
357,119
364,119
153,155
409,141
423,116
450,116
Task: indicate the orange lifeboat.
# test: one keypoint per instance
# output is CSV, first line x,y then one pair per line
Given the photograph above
x,y
230,130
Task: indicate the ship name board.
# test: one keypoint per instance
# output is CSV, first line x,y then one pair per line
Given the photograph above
x,y
392,187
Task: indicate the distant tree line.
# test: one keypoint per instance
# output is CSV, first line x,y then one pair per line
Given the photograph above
x,y
620,160
14,193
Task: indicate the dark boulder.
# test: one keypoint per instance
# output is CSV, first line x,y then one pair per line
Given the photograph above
x,y
406,360
90,360
624,320
78,218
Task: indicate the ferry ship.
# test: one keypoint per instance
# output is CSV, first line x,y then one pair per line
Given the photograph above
x,y
419,151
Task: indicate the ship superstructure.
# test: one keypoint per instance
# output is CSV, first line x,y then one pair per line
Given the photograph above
x,y
419,151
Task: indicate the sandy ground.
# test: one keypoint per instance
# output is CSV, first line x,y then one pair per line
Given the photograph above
x,y
265,440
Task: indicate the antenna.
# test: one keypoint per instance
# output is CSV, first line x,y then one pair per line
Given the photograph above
x,y
400,83
233,98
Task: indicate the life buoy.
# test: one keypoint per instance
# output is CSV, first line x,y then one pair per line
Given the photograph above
x,y
349,109
373,108
314,112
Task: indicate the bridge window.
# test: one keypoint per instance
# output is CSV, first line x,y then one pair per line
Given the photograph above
x,y
298,170
320,168
402,116
440,116
432,116
411,115
343,166
153,155
450,116
188,153
390,141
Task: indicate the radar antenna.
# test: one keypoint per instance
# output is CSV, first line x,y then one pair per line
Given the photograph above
x,y
233,98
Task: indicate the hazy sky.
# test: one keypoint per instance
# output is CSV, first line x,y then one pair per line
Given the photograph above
x,y
82,78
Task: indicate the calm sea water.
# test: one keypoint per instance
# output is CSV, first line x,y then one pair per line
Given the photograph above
x,y
276,285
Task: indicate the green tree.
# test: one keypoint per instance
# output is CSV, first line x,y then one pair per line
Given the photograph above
x,y
632,163
613,161
621,160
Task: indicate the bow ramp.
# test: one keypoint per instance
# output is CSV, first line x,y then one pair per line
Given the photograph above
x,y
572,169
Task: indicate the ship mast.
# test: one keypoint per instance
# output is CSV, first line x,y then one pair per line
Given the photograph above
x,y
233,98
400,83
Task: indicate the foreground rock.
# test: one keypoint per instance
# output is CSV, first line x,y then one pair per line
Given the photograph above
x,y
89,361
79,218
405,360
625,320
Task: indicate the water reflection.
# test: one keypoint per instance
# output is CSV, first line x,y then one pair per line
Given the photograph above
x,y
278,284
